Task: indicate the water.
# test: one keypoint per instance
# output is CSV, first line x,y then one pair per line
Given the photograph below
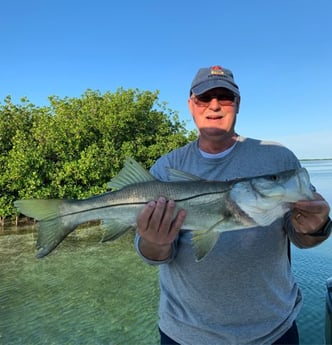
x,y
87,293
312,267
92,293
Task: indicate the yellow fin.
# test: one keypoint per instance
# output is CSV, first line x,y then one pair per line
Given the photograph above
x,y
203,242
131,173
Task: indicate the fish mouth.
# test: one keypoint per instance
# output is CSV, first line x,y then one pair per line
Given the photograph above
x,y
305,186
300,184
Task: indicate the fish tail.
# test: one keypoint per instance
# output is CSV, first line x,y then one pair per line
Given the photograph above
x,y
52,228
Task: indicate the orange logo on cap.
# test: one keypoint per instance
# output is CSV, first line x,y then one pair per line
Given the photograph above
x,y
217,70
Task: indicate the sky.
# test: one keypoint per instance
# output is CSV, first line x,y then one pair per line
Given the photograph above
x,y
280,52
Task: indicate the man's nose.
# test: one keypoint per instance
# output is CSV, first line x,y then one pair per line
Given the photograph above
x,y
214,103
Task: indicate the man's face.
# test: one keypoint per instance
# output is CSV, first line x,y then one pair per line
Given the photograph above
x,y
214,111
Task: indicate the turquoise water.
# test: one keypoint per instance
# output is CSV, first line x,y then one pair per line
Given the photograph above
x,y
86,292
313,266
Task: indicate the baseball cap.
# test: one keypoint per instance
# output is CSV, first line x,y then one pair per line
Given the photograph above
x,y
208,78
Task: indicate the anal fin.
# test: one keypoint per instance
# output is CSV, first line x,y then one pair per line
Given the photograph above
x,y
114,230
203,242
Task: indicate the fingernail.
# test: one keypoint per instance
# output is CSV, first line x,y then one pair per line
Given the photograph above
x,y
162,200
171,203
152,204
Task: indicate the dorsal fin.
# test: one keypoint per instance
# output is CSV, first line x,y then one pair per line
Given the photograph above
x,y
175,175
132,172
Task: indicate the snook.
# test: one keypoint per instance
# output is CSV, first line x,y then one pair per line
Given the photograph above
x,y
212,206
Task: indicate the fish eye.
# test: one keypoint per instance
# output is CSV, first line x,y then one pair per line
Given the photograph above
x,y
274,177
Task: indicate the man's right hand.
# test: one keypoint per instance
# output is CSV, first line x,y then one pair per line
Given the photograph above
x,y
158,227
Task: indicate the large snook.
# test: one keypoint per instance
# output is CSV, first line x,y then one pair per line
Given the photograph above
x,y
212,206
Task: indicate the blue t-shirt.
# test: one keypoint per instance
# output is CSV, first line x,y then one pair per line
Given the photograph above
x,y
243,291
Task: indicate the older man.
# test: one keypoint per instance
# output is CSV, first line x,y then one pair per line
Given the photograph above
x,y
244,291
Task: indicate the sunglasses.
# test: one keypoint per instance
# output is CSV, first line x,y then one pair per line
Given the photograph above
x,y
223,99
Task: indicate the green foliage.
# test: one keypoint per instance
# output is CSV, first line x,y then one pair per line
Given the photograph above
x,y
73,147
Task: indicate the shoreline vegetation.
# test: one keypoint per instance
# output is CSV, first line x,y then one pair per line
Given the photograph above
x,y
73,147
24,222
19,221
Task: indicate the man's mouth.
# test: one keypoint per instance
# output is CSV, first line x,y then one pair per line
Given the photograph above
x,y
219,117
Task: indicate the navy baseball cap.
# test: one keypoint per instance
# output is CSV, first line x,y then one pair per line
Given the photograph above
x,y
208,78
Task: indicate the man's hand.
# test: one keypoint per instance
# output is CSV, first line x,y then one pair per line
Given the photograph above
x,y
158,227
309,216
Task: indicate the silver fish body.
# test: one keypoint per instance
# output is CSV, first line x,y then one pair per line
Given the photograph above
x,y
212,206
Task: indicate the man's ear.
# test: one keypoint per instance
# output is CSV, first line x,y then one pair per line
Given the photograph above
x,y
190,105
238,104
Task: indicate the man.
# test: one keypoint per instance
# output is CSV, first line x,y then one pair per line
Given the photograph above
x,y
243,292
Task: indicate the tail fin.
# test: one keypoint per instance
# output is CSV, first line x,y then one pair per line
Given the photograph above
x,y
52,229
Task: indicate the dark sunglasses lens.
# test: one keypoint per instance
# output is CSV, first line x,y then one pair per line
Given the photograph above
x,y
221,97
204,98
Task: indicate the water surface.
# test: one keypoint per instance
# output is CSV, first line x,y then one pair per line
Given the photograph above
x,y
83,293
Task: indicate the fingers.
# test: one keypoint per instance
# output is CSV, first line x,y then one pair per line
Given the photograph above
x,y
318,205
158,223
310,215
144,217
178,221
162,215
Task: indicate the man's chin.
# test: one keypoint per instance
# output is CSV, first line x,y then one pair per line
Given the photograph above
x,y
213,131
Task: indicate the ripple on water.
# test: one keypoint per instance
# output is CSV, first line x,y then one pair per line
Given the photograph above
x,y
83,293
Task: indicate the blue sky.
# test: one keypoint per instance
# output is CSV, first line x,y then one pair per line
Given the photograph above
x,y
280,52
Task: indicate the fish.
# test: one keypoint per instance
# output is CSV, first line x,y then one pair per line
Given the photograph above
x,y
212,207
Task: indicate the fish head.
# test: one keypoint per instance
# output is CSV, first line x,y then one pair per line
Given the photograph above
x,y
287,186
267,198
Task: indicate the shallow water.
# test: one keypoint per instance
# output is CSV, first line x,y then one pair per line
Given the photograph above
x,y
83,293
86,292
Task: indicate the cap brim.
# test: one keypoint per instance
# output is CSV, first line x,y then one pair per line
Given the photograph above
x,y
214,83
